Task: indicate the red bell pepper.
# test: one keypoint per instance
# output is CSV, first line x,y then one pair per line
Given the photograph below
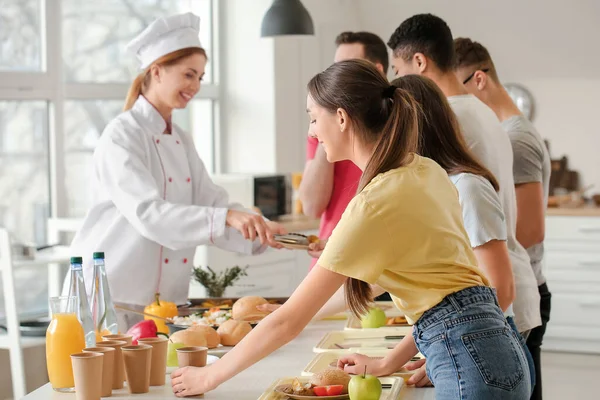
x,y
142,330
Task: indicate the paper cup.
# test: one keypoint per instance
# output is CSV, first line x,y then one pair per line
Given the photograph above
x,y
159,359
87,371
192,356
138,360
118,366
107,367
124,338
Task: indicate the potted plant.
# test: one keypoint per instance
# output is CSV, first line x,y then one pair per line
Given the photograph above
x,y
216,284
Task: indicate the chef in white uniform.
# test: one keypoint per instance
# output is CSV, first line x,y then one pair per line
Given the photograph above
x,y
153,200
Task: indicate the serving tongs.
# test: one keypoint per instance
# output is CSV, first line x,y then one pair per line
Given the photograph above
x,y
296,240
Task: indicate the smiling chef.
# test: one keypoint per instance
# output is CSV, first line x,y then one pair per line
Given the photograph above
x,y
153,201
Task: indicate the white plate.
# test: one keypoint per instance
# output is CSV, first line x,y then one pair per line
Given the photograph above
x,y
209,360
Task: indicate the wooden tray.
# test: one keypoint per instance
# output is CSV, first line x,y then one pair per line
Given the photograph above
x,y
386,394
357,340
325,360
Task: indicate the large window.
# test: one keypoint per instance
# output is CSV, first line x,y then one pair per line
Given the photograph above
x,y
64,75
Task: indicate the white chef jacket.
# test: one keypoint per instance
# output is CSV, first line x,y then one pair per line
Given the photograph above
x,y
153,203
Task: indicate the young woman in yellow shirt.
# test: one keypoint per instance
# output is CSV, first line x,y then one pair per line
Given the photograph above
x,y
404,232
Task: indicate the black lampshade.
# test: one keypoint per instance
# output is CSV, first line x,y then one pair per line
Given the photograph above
x,y
287,17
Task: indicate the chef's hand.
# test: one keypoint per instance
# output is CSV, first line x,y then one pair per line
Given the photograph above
x,y
268,308
419,378
316,249
355,364
252,226
190,381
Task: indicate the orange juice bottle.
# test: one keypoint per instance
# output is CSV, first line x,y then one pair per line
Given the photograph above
x,y
64,337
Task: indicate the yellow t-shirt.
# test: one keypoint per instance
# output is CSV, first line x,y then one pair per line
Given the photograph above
x,y
405,232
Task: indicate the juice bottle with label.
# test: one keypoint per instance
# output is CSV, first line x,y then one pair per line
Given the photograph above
x,y
64,337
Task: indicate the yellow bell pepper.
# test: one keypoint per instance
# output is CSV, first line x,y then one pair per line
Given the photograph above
x,y
161,308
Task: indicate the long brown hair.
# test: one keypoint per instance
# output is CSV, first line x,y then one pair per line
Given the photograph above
x,y
439,135
142,81
381,116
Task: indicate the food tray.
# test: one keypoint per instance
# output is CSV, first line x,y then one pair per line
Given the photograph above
x,y
386,394
325,360
357,340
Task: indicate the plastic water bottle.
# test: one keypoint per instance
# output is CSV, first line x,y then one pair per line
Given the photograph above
x,y
103,310
77,288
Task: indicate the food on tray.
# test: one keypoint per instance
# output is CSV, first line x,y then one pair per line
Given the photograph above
x,y
375,318
245,309
216,303
298,388
161,308
364,387
189,338
213,317
212,337
232,332
397,321
331,377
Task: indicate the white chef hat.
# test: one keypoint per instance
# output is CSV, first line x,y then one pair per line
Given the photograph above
x,y
164,36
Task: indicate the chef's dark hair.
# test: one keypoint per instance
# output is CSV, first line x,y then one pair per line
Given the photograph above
x,y
142,81
382,116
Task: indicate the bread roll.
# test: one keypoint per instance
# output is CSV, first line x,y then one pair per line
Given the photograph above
x,y
210,334
232,332
331,376
189,338
245,309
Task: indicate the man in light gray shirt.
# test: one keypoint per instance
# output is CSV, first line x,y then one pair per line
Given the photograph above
x,y
531,171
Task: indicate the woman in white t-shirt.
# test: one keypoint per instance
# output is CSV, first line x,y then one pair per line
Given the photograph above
x,y
440,139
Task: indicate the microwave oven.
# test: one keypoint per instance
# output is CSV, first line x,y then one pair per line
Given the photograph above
x,y
268,193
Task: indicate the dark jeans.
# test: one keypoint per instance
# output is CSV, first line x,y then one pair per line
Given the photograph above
x,y
384,297
534,340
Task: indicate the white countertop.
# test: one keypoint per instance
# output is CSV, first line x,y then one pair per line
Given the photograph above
x,y
250,384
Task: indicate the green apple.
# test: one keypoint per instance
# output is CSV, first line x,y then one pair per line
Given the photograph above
x,y
172,354
364,387
375,318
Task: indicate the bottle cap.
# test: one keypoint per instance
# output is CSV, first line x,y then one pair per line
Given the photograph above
x,y
98,255
76,260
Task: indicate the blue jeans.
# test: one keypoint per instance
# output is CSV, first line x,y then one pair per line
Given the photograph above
x,y
471,350
530,362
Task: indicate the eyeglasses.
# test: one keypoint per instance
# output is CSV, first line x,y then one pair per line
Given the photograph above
x,y
473,74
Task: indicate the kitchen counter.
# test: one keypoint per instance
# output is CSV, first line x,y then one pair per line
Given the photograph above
x,y
290,360
299,223
583,211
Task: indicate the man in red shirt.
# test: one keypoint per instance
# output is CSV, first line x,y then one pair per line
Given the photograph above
x,y
327,188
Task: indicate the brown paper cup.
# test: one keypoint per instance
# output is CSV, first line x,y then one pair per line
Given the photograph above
x,y
125,338
138,360
118,366
192,356
87,371
107,367
158,370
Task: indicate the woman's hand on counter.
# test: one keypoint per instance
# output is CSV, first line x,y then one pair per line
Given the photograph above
x,y
355,364
190,381
253,226
316,249
419,378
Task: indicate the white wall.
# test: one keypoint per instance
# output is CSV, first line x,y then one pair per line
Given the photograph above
x,y
550,47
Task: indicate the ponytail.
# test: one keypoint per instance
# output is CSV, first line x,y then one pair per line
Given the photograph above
x,y
135,90
398,139
397,142
382,116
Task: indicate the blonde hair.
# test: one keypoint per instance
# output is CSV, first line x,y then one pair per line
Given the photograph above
x,y
142,81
